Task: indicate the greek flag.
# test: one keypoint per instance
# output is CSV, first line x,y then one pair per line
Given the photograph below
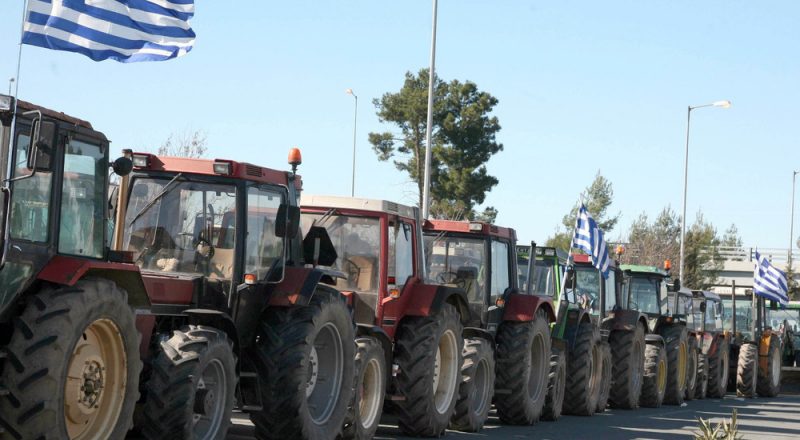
x,y
589,238
123,30
769,281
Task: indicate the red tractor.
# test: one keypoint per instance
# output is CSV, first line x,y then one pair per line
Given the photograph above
x,y
404,322
69,348
233,307
505,325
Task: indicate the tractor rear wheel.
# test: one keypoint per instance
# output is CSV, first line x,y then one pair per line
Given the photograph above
x,y
584,372
428,352
523,359
627,350
192,386
769,379
554,402
71,368
747,370
718,368
654,383
605,386
304,357
692,368
701,387
676,339
364,415
477,386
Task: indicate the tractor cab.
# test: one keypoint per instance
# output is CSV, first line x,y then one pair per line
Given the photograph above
x,y
682,309
708,311
645,289
548,270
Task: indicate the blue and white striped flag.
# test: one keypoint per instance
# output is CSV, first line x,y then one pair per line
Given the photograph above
x,y
123,30
589,238
770,282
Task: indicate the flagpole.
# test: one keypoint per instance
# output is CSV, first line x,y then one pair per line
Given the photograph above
x,y
19,64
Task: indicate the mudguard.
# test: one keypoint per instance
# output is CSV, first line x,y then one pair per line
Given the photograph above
x,y
627,320
67,271
296,288
420,299
477,332
763,349
373,331
523,308
654,339
218,320
575,317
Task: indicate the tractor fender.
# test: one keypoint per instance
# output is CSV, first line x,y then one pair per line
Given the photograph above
x,y
296,288
654,339
420,299
763,349
373,331
627,320
523,308
216,319
575,317
477,332
66,271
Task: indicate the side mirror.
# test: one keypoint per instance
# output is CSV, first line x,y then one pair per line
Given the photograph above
x,y
318,247
40,153
676,285
703,307
122,166
287,225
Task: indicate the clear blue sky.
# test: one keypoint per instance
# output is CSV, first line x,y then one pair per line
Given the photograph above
x,y
583,86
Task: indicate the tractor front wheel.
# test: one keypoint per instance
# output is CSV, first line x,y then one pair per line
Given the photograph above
x,y
692,368
676,339
769,378
364,415
605,385
554,402
701,387
718,368
654,383
72,365
747,370
477,386
584,372
627,349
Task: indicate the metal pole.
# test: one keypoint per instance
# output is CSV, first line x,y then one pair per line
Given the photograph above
x,y
355,122
685,187
733,307
791,223
428,148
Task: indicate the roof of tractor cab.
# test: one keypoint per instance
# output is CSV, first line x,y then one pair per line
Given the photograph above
x,y
25,106
638,268
467,227
705,294
684,292
374,205
238,170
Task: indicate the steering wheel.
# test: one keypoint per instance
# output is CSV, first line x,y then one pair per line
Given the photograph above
x,y
202,243
353,271
448,277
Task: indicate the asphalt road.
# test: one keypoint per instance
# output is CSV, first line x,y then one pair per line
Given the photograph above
x,y
759,419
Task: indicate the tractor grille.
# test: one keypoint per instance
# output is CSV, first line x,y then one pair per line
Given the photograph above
x,y
253,170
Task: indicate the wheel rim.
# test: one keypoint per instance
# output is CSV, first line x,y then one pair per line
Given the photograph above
x,y
325,365
481,388
691,373
96,378
539,364
723,383
662,376
370,398
682,365
209,401
596,374
445,372
776,368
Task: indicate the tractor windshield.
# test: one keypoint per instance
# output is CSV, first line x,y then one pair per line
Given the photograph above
x,y
643,295
190,228
584,289
744,316
544,277
357,241
783,319
458,261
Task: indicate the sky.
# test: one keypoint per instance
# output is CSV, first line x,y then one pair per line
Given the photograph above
x,y
583,86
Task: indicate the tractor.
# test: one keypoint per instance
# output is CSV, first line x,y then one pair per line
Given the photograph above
x,y
409,331
503,323
683,312
755,349
646,291
242,311
69,346
714,345
577,331
786,321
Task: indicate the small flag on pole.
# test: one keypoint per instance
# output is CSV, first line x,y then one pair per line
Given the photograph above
x,y
770,282
589,238
122,30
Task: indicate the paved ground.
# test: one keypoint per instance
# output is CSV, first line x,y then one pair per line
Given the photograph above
x,y
759,419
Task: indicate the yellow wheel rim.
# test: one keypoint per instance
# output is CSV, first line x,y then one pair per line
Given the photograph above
x,y
682,355
662,376
96,377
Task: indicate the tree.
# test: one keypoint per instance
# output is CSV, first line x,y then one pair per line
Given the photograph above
x,y
185,144
702,260
463,140
598,197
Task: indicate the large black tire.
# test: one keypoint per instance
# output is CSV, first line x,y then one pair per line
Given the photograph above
x,y
692,368
88,331
292,345
701,387
554,402
192,385
654,382
747,371
364,415
584,372
523,366
477,386
718,369
677,346
429,390
605,386
769,379
627,351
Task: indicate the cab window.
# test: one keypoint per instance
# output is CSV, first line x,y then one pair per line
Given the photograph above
x,y
30,204
81,229
401,252
500,269
262,247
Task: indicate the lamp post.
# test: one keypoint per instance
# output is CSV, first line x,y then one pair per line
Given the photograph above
x,y
426,186
791,222
10,85
355,122
720,104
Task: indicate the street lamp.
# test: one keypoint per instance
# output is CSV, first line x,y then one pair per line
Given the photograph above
x,y
355,121
10,85
426,186
720,104
791,222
